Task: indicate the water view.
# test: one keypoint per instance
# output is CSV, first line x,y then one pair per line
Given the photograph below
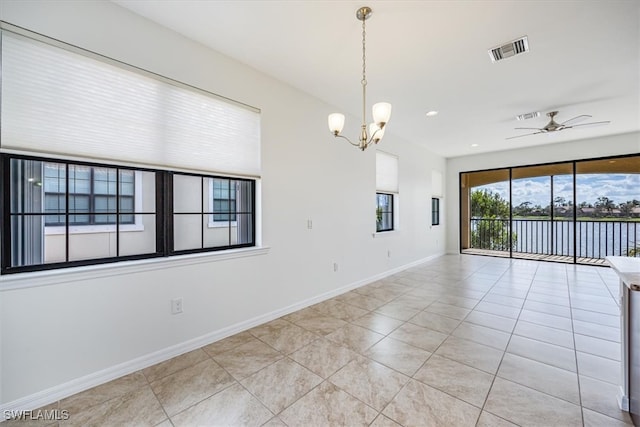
x,y
595,239
583,209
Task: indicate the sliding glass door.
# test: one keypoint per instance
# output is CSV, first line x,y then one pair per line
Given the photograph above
x,y
542,215
608,196
485,205
577,211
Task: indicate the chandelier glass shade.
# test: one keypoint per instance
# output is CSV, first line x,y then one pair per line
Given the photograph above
x,y
381,112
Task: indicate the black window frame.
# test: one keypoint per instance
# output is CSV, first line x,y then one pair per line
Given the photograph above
x,y
205,211
380,212
163,216
435,211
574,244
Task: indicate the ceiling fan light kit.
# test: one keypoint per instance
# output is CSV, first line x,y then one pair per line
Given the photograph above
x,y
381,111
554,126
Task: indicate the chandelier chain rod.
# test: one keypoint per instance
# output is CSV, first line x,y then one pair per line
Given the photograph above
x,y
364,57
364,136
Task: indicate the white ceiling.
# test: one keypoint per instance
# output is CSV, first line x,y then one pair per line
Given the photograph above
x,y
432,55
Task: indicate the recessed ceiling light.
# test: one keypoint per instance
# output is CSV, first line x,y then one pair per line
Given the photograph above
x,y
474,145
432,113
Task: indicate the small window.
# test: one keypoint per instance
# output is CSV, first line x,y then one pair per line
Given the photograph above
x,y
435,211
384,212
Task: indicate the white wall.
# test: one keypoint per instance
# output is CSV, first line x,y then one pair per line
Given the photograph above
x,y
548,153
71,331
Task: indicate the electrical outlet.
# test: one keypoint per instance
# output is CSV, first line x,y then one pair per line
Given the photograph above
x,y
309,224
176,305
335,266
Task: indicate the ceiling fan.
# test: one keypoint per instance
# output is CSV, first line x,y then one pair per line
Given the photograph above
x,y
553,126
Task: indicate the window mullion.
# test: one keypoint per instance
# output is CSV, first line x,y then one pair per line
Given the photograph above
x,y
164,217
202,212
391,211
117,209
66,211
229,210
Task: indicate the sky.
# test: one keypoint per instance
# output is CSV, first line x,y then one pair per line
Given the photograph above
x,y
618,187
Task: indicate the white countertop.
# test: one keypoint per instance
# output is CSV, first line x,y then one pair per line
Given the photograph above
x,y
628,268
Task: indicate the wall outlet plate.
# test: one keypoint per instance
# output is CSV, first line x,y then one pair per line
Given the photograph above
x,y
176,305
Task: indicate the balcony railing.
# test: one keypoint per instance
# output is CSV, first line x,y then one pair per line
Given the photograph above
x,y
595,239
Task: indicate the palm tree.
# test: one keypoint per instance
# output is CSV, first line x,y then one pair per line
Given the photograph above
x,y
626,209
605,204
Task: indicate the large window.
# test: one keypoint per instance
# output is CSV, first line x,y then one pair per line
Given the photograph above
x,y
61,214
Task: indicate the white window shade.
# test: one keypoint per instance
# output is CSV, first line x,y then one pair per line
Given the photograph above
x,y
57,101
436,184
386,172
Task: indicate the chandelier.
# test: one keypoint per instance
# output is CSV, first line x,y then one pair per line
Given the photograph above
x,y
381,110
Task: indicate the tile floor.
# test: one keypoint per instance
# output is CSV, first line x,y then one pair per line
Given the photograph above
x,y
459,341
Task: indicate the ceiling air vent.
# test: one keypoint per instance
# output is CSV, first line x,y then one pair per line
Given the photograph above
x,y
510,49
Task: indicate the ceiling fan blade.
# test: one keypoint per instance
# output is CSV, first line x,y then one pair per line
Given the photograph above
x,y
576,119
590,124
527,128
526,134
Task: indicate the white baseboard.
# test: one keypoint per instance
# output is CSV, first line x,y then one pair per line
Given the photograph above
x,y
61,391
